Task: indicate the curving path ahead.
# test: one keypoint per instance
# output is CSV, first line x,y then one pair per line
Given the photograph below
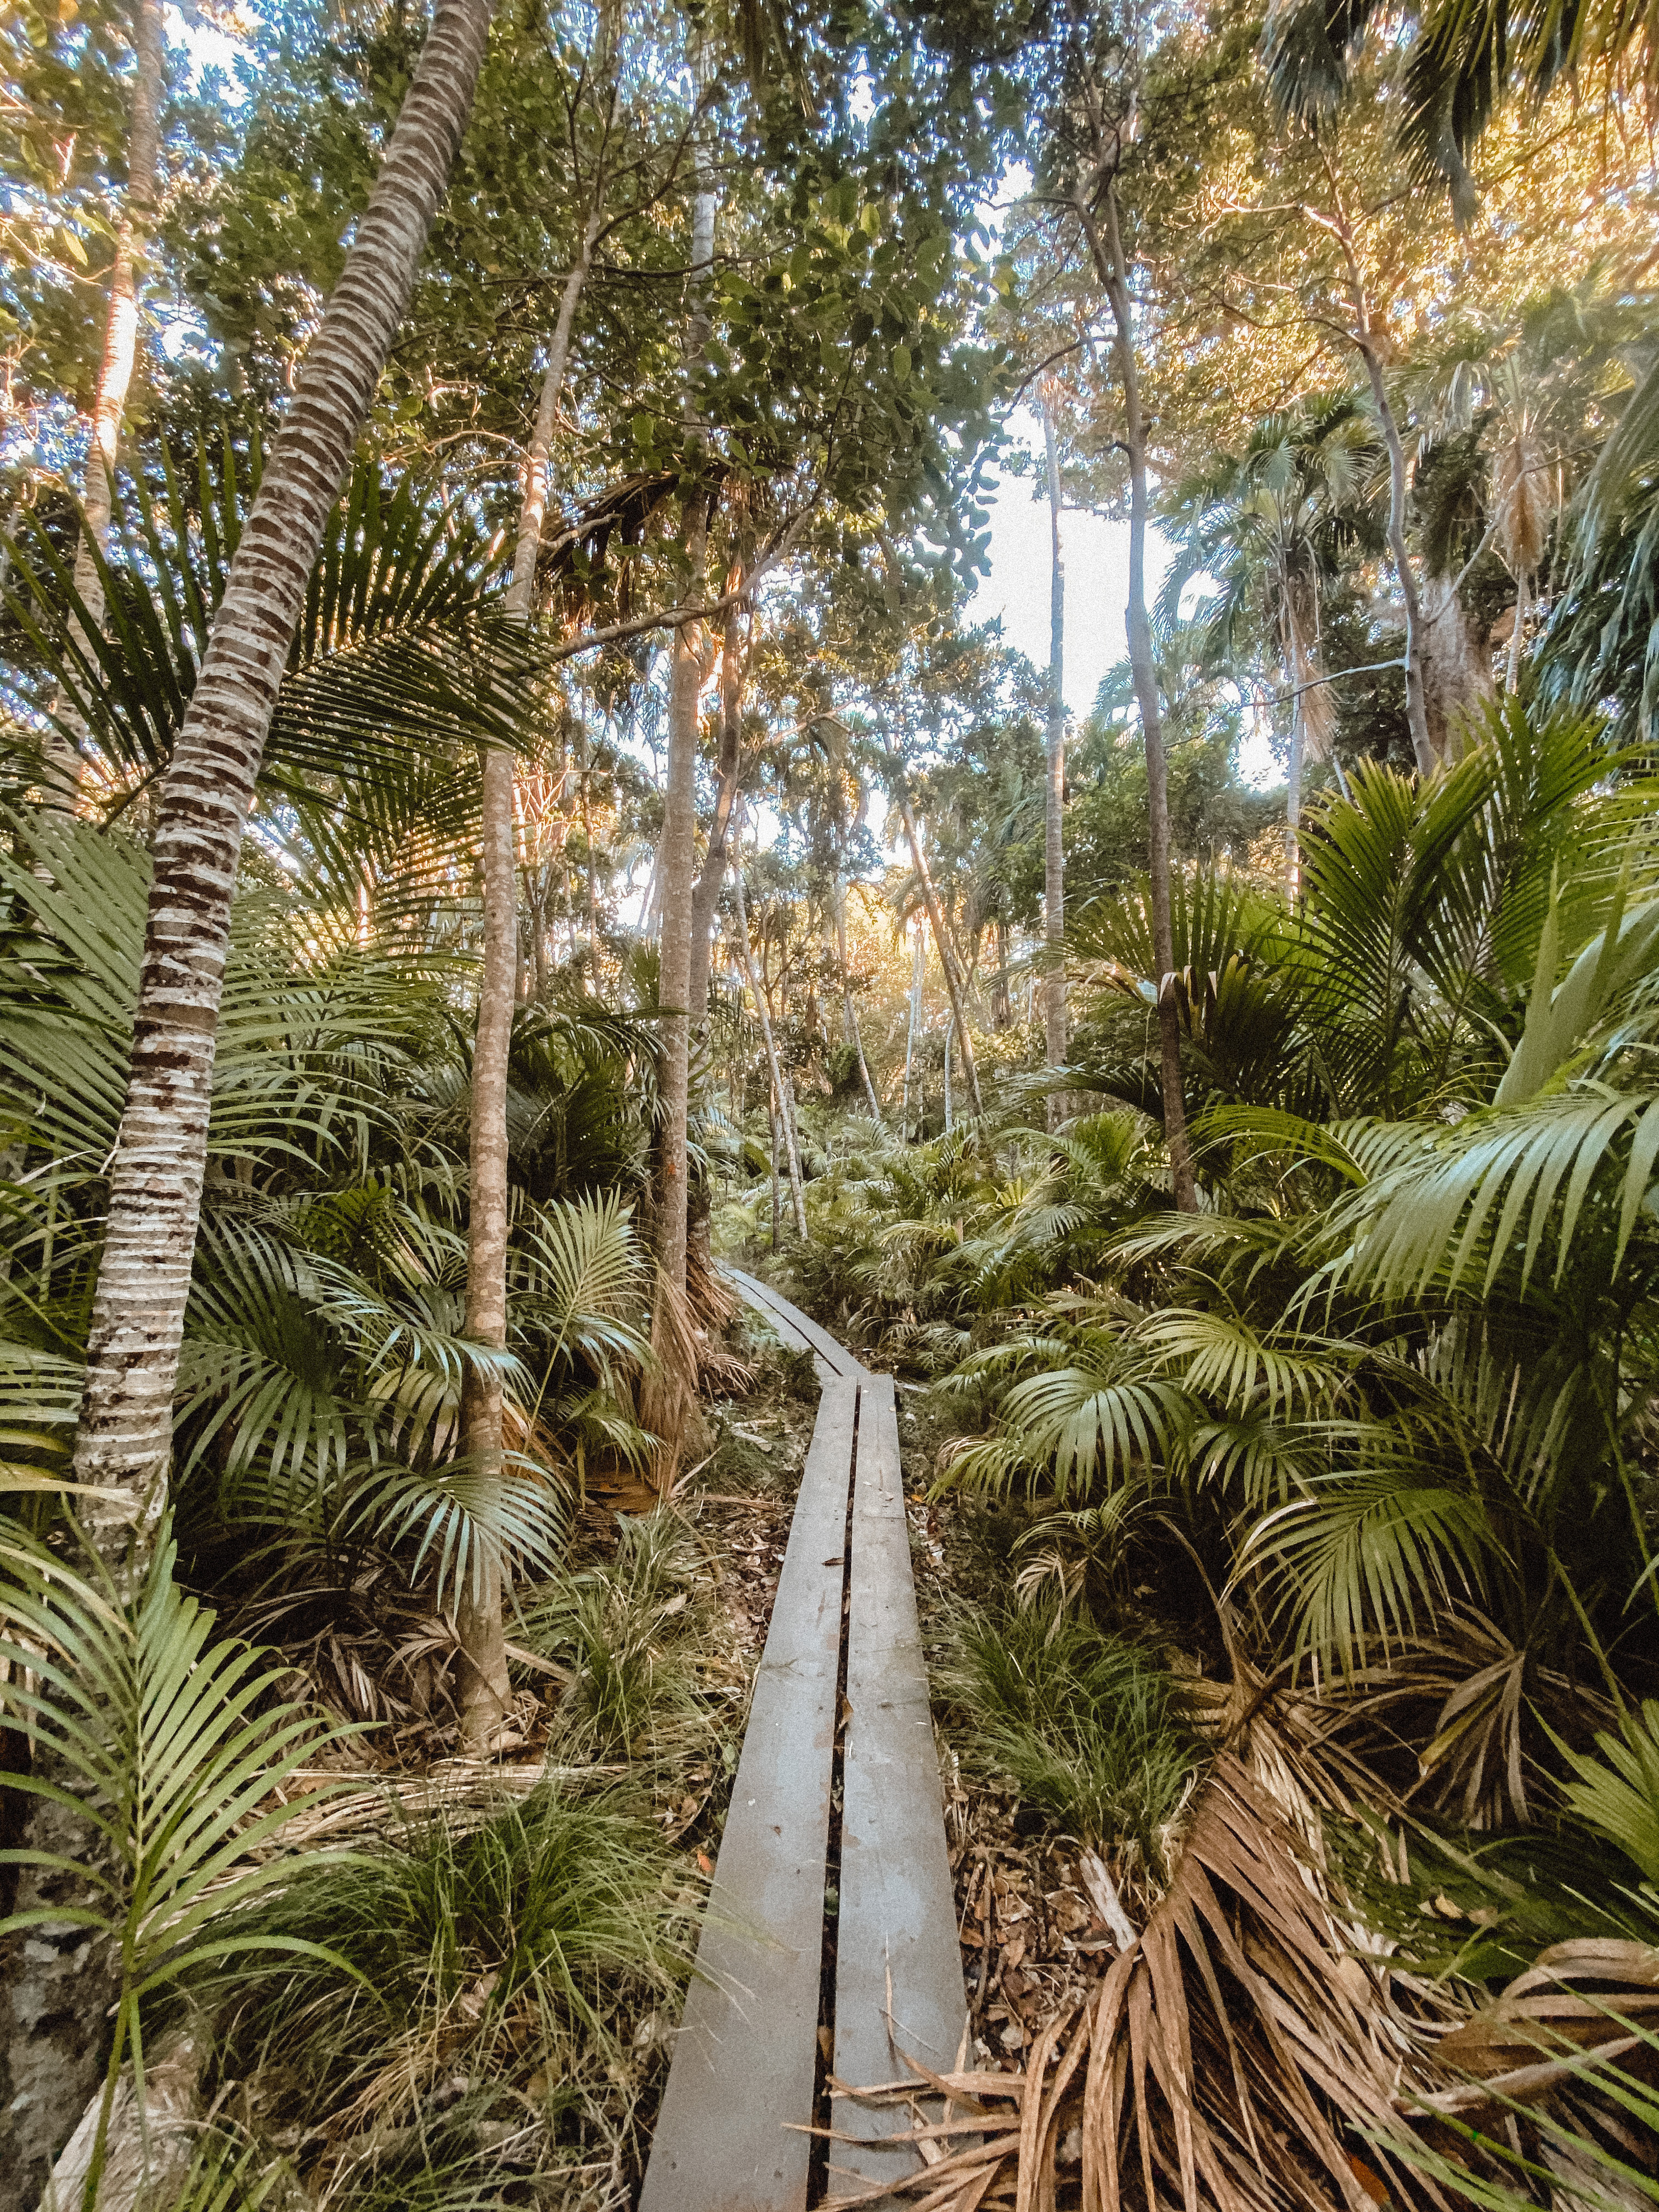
x,y
741,2090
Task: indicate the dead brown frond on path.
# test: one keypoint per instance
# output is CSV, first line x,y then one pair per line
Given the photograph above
x,y
1235,2058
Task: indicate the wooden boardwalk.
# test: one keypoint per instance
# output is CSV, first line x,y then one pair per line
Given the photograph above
x,y
730,2137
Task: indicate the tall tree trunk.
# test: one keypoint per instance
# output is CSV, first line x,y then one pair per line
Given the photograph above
x,y
671,1391
1001,1012
855,1036
1293,796
155,1187
1457,678
124,1437
1115,270
1054,833
947,960
120,343
1512,666
949,1117
705,899
484,1688
1417,712
781,1088
1365,339
676,861
912,1027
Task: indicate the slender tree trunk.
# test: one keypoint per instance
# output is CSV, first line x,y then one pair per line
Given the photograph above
x,y
1416,713
120,347
949,1026
781,1089
854,1034
1293,796
1143,670
676,860
155,1188
777,1209
485,1687
705,900
1001,1012
1512,670
914,1026
1364,335
947,959
671,1391
1054,835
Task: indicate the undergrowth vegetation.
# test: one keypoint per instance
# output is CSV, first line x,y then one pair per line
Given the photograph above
x,y
1088,1726
509,811
1365,1441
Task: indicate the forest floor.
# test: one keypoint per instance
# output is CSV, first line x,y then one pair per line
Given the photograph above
x,y
1032,1941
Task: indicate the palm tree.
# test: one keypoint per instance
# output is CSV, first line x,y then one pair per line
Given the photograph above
x,y
1274,527
156,1184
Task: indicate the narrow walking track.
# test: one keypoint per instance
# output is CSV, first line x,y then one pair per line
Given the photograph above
x,y
743,2086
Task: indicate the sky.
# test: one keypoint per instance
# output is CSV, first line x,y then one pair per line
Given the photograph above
x,y
1096,578
1096,554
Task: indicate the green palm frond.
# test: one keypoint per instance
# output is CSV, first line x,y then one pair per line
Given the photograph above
x,y
1370,1548
175,1747
1091,1422
1220,1357
1560,1016
40,1402
1615,1790
1467,1194
461,1519
398,657
577,1282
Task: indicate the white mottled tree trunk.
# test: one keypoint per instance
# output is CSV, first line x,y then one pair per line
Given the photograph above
x,y
155,1188
1054,835
854,1034
947,959
485,1687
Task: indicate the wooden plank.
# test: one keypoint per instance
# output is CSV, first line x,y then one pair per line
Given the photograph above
x,y
745,2058
792,1322
896,1949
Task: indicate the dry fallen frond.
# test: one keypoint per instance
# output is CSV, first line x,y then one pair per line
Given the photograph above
x,y
1578,2001
1219,2066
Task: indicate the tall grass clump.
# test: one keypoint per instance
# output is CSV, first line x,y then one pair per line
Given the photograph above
x,y
629,1632
1088,1726
446,1969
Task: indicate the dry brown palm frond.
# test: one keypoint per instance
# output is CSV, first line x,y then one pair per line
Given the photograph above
x,y
1522,501
1473,1704
1236,2027
1238,2057
1577,2000
669,1388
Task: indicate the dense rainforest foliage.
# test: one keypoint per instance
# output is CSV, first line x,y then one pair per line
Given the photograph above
x,y
505,804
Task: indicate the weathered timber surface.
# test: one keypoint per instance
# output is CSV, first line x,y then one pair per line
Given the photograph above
x,y
743,2062
794,1325
732,2136
898,1965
